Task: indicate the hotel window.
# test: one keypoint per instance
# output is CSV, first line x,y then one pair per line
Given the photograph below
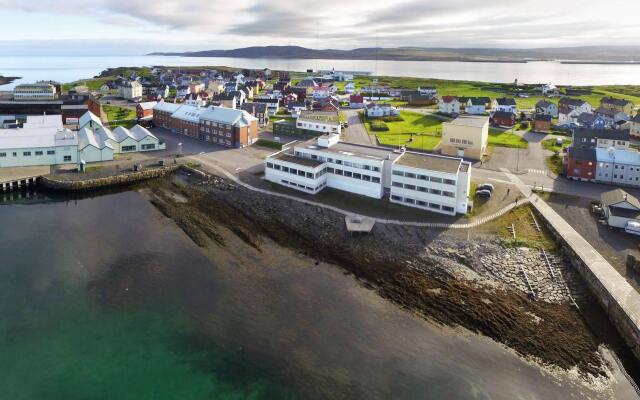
x,y
285,169
309,175
410,201
423,177
269,165
26,153
348,174
422,189
357,176
398,173
449,182
410,187
410,175
375,179
434,206
396,198
330,170
3,154
293,171
301,173
51,152
447,208
448,194
67,158
435,191
397,184
437,180
129,148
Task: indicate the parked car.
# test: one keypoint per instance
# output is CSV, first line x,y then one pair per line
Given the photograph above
x,y
483,194
486,186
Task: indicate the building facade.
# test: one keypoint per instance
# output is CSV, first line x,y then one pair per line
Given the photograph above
x,y
430,182
465,137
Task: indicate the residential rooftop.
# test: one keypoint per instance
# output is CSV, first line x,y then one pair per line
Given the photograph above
x,y
307,162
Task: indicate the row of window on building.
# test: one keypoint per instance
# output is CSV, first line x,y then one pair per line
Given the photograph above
x,y
420,203
354,175
301,186
28,153
423,189
337,161
434,179
294,171
216,132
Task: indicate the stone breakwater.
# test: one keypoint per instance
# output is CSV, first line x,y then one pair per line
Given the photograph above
x,y
105,182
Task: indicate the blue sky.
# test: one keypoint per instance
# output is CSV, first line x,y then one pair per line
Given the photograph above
x,y
119,27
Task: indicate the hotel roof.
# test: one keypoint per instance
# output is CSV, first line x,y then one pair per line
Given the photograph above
x,y
307,162
354,150
430,162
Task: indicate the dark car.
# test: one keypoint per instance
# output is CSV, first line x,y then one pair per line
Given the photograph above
x,y
483,194
486,186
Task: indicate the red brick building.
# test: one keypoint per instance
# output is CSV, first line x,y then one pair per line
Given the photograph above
x,y
542,123
580,163
224,126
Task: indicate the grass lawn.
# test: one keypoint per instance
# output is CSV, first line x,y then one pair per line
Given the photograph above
x,y
554,163
417,131
422,142
550,144
92,84
506,139
115,113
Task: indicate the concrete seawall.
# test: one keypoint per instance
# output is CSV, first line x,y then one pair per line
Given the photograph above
x,y
105,182
617,297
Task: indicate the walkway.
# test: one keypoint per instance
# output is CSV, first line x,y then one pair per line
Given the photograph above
x,y
442,225
619,298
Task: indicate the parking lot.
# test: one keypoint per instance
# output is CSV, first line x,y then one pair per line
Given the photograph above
x,y
613,244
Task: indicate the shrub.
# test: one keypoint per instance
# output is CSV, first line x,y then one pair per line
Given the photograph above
x,y
269,144
377,125
393,118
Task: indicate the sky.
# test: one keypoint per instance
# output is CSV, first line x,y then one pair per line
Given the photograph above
x,y
123,27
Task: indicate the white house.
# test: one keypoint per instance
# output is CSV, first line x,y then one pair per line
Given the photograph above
x,y
505,104
634,126
183,91
92,147
130,90
375,110
620,208
430,182
476,106
449,105
350,88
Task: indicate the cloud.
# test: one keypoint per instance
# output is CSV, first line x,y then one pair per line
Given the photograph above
x,y
215,24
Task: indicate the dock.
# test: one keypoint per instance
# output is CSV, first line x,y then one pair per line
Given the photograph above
x,y
16,178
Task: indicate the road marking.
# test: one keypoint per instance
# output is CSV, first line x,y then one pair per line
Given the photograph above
x,y
538,171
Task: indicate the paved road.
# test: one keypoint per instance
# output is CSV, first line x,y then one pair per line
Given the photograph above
x,y
356,133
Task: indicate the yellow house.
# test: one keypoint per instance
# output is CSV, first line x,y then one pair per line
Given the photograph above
x,y
618,105
465,136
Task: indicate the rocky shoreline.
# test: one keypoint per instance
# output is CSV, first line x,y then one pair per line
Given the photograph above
x,y
476,283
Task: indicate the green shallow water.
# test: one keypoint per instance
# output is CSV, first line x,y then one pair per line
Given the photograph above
x,y
104,298
61,339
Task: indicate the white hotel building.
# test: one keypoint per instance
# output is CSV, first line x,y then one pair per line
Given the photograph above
x,y
430,182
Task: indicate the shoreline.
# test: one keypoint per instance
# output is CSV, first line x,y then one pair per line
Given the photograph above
x,y
440,286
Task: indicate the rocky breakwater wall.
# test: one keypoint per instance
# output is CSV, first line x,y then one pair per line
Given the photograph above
x,y
106,182
616,296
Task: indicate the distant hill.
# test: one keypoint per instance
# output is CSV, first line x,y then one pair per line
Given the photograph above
x,y
597,54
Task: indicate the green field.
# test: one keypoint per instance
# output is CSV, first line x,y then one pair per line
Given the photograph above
x,y
115,113
550,144
506,139
417,131
92,84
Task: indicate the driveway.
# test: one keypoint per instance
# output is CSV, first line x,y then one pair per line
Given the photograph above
x,y
356,132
